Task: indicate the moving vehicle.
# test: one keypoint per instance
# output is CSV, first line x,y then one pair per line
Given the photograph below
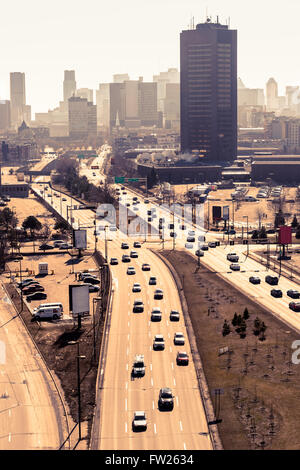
x,y
190,239
152,281
130,270
178,338
126,259
174,315
124,246
273,280
158,294
146,267
158,343
199,253
235,267
138,306
114,261
203,247
212,244
294,294
254,280
136,287
165,399
139,422
138,368
233,257
137,245
276,293
54,313
295,306
189,246
134,254
156,314
182,358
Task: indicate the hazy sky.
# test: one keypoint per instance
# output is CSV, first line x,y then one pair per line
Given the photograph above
x,y
98,38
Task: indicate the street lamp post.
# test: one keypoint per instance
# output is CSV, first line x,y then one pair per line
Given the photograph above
x,y
246,217
78,357
22,304
95,300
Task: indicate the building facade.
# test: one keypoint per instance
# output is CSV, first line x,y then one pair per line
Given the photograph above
x,y
69,84
19,110
208,97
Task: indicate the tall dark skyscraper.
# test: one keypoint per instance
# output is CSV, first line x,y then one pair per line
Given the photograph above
x,y
69,84
208,93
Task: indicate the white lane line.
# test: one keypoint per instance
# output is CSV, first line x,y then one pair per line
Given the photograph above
x,y
151,366
126,366
125,404
125,427
151,381
128,336
177,402
180,424
9,413
9,437
170,349
153,405
172,365
154,428
167,323
126,385
150,348
184,446
127,351
169,335
174,381
149,334
128,323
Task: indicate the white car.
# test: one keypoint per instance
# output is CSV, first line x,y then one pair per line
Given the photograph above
x,y
235,267
179,338
233,257
156,314
130,270
158,343
134,254
136,287
139,422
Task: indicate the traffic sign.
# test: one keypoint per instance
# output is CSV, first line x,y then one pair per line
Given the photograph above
x,y
119,179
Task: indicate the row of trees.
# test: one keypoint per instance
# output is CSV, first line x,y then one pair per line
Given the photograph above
x,y
239,323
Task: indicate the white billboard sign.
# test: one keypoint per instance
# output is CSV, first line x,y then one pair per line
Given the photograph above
x,y
79,301
80,240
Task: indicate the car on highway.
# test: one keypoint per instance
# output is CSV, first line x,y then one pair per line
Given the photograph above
x,y
295,306
36,296
124,246
146,201
138,306
90,280
276,293
146,267
126,259
152,281
114,261
130,270
294,294
174,315
137,245
165,399
136,287
139,422
235,267
182,227
203,247
182,358
272,280
158,294
113,228
178,338
3,203
93,288
212,244
199,253
190,239
46,246
158,343
189,246
156,314
191,233
233,257
64,199
254,280
134,254
138,368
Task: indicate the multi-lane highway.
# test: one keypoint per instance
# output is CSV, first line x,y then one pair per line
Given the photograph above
x,y
132,333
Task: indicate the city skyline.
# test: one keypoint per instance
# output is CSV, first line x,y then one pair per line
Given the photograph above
x,y
97,44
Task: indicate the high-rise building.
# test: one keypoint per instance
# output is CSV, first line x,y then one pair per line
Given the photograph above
x,y
85,93
4,115
272,95
19,110
120,77
69,84
208,95
82,118
172,76
147,111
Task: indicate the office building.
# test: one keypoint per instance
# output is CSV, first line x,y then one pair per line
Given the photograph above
x,y
86,93
4,115
19,110
272,95
69,84
208,94
121,77
82,118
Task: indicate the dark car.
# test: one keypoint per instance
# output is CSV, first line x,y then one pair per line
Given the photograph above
x,y
152,281
138,306
36,296
165,399
273,280
26,282
204,247
254,280
146,267
113,261
295,306
276,293
137,245
124,246
174,315
199,253
91,280
126,259
46,246
93,288
33,288
294,294
158,294
182,358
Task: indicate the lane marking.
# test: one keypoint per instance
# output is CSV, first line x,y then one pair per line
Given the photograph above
x,y
180,424
172,365
126,385
174,381
154,428
177,401
125,404
125,427
153,404
151,381
126,366
9,437
184,446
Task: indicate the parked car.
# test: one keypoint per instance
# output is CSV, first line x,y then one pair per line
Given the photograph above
x,y
46,246
93,288
182,358
82,275
25,282
91,280
33,288
66,246
57,243
36,296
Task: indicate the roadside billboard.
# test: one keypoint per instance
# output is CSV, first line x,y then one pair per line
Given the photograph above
x,y
225,212
79,239
79,301
285,235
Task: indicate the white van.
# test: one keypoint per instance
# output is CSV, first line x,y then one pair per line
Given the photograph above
x,y
51,304
53,313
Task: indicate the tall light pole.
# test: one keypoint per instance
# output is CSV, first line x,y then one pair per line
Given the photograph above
x,y
95,300
22,305
246,217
